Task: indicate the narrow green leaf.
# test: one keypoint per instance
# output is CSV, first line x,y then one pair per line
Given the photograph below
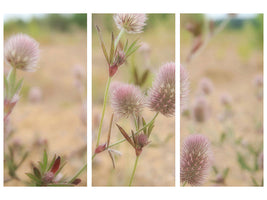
x,y
44,161
52,163
37,173
136,78
134,139
215,169
6,86
144,77
112,159
150,128
111,54
18,86
34,178
12,80
144,123
102,44
131,47
125,135
126,45
242,162
132,51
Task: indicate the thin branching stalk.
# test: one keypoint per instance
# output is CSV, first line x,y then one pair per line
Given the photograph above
x,y
103,111
106,92
123,140
134,169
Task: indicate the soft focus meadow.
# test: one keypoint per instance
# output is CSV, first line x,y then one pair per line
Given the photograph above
x,y
156,166
223,60
51,111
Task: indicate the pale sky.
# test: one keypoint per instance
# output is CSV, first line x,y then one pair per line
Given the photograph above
x,y
221,16
27,17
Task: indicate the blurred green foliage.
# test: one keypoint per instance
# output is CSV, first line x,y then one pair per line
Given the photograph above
x,y
39,26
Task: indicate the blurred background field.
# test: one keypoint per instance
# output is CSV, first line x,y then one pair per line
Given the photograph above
x,y
54,120
157,163
231,60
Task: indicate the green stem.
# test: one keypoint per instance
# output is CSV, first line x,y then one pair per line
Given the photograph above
x,y
184,184
118,38
106,93
122,140
103,111
78,173
134,169
93,156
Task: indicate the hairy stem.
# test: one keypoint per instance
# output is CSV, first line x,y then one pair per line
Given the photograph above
x,y
134,169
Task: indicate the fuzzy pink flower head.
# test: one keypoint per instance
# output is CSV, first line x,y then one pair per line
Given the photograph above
x,y
22,52
131,23
201,109
126,100
196,159
48,177
184,88
206,86
161,97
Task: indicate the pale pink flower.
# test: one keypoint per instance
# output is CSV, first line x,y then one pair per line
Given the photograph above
x,y
201,109
196,159
206,86
126,100
131,23
35,95
161,97
22,52
184,88
226,99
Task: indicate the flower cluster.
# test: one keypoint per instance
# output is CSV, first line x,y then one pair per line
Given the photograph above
x,y
161,97
196,159
131,23
126,100
22,52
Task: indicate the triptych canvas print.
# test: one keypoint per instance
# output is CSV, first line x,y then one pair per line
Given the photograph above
x,y
132,100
